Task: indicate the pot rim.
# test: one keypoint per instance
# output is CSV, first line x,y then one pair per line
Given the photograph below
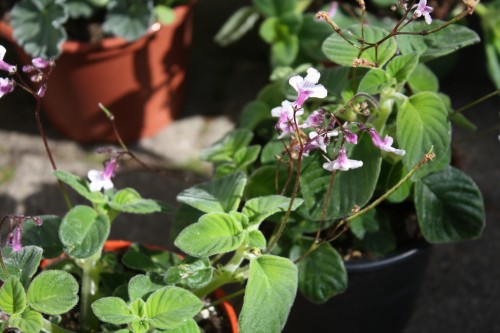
x,y
361,266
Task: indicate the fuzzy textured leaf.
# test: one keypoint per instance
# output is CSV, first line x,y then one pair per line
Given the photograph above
x,y
258,209
339,51
29,321
22,264
53,292
214,233
170,307
112,310
449,206
423,123
128,19
80,186
12,296
269,295
83,231
224,149
46,236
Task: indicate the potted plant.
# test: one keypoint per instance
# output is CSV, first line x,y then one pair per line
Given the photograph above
x,y
376,90
130,55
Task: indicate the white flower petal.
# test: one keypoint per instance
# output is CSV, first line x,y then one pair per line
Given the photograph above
x,y
296,82
2,52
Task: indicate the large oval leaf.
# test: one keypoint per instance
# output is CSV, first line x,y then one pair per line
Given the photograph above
x,y
112,310
339,51
213,233
170,307
423,123
449,206
269,295
258,209
22,264
83,231
350,188
46,236
322,274
53,292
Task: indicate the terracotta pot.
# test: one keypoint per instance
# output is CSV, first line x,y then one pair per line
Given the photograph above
x,y
141,82
379,298
121,245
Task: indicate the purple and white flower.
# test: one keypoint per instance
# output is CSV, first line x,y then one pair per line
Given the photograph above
x,y
286,122
3,65
315,119
423,9
350,136
307,87
342,162
6,86
102,179
385,144
316,141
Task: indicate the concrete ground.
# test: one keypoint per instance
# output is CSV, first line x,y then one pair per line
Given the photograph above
x,y
461,289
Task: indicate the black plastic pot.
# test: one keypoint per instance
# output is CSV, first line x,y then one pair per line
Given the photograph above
x,y
379,298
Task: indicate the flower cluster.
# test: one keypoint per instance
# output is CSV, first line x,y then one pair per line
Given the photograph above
x,y
39,72
324,127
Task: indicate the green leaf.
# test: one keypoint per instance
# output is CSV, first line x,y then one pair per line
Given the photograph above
x,y
139,326
79,8
396,173
322,274
262,182
237,25
46,236
80,186
423,79
112,310
258,209
38,26
138,308
374,81
311,36
339,51
275,7
164,14
402,66
189,327
224,149
448,40
22,264
219,195
29,321
141,258
284,50
253,114
130,201
53,292
128,19
214,233
83,231
423,123
382,241
269,295
192,273
12,296
140,286
256,238
272,94
170,307
449,206
360,182
245,156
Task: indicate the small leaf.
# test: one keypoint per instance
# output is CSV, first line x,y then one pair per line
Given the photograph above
x,y
224,149
38,26
364,224
138,308
140,258
373,82
22,264
130,201
112,310
237,25
80,186
245,156
253,114
189,327
170,307
140,286
449,206
83,231
423,123
192,273
284,50
219,195
12,296
29,321
258,209
275,7
402,66
269,295
46,236
140,326
214,233
257,239
322,274
128,19
343,53
382,241
53,292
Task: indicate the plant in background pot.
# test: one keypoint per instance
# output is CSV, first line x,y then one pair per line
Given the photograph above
x,y
130,55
